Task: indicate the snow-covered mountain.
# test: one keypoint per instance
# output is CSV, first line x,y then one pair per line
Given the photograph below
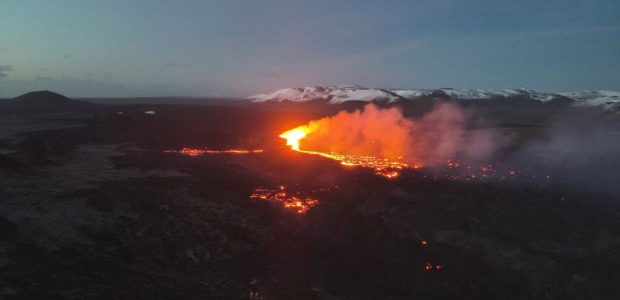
x,y
333,94
343,93
605,99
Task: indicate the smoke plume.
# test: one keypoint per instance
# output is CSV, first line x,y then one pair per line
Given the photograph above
x,y
438,136
580,153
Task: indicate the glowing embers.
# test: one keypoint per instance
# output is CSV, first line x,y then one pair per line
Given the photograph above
x,y
197,152
381,166
456,170
432,267
296,200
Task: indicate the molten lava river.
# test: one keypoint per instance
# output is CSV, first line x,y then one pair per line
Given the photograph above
x,y
381,166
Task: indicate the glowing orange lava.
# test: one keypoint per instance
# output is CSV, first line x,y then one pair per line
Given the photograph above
x,y
294,135
197,152
381,166
297,201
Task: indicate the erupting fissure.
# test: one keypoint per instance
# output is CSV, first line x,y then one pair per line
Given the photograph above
x,y
381,166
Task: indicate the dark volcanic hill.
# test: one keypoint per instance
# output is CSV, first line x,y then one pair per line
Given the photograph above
x,y
45,102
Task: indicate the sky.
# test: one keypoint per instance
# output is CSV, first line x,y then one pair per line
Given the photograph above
x,y
114,48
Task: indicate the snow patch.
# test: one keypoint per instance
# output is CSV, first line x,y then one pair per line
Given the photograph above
x,y
332,94
605,99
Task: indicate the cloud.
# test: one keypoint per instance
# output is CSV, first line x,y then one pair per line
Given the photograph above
x,y
4,69
382,53
271,73
354,67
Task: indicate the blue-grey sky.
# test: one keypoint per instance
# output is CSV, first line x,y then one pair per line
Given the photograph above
x,y
238,48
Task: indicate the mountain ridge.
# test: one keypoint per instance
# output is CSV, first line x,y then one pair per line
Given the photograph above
x,y
608,100
44,101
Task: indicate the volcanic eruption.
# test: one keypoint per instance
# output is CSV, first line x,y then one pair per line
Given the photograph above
x,y
387,142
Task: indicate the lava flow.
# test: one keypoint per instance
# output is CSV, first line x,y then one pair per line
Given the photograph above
x,y
298,201
197,152
381,166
